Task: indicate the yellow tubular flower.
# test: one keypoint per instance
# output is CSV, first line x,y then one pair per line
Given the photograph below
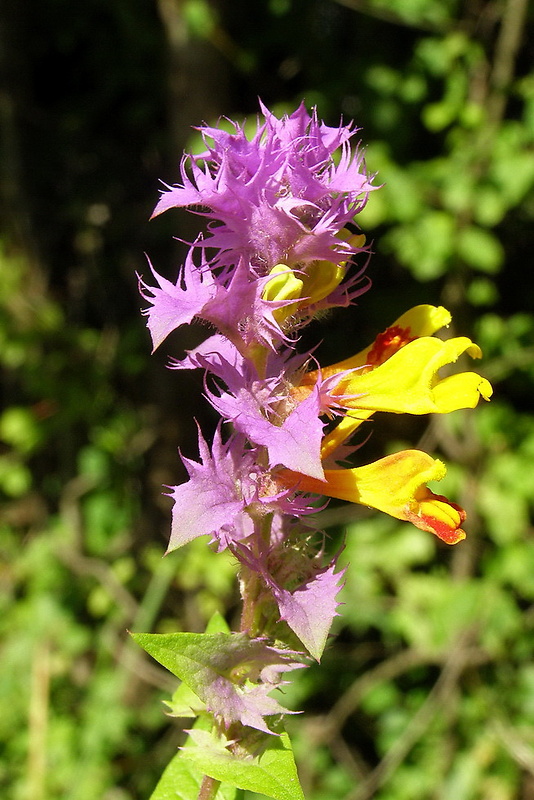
x,y
396,485
399,374
314,283
408,381
320,279
343,430
284,285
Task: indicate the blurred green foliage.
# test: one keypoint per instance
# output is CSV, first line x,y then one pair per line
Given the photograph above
x,y
428,688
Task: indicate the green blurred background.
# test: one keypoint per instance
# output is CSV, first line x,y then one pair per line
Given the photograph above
x,y
427,691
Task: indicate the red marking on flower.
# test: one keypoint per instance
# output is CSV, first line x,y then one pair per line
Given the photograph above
x,y
387,343
439,515
444,531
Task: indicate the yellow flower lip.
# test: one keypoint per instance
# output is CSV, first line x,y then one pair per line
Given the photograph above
x,y
396,485
283,288
283,284
299,288
399,373
408,382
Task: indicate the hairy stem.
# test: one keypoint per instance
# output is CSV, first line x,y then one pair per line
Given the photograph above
x,y
251,583
208,788
250,590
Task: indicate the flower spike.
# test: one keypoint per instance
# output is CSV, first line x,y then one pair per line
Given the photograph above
x,y
279,249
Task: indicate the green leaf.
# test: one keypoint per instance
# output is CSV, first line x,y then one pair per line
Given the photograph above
x,y
272,772
424,246
188,655
217,624
184,702
19,429
199,18
482,292
183,653
181,781
15,478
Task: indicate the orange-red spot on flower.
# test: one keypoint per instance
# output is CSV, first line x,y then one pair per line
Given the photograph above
x,y
437,514
386,344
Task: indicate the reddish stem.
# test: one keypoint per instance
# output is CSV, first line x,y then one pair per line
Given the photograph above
x,y
208,788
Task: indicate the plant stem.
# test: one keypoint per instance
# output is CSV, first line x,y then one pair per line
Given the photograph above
x,y
251,583
208,788
250,587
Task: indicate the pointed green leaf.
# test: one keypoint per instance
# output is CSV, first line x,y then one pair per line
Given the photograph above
x,y
181,781
183,654
272,772
480,249
217,624
184,703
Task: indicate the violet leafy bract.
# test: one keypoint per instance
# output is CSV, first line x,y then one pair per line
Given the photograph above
x,y
226,494
311,607
232,674
292,437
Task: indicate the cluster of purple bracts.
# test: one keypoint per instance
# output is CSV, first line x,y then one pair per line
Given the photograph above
x,y
276,250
